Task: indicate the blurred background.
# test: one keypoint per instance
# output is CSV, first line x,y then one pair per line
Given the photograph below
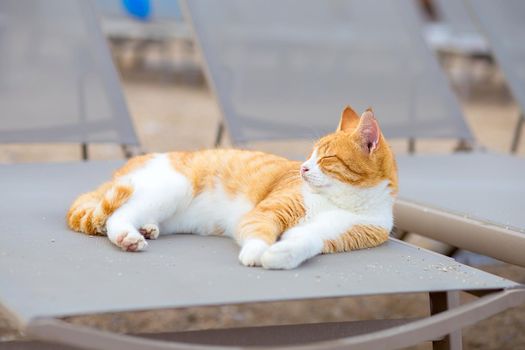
x,y
162,74
172,108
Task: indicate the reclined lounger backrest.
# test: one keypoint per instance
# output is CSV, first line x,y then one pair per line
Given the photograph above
x,y
284,69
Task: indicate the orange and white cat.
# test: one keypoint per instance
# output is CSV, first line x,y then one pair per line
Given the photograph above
x,y
280,212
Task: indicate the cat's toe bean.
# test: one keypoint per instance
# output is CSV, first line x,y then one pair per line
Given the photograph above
x,y
150,231
131,242
121,237
251,252
282,255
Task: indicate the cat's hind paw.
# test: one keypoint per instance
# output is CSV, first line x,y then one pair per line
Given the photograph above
x,y
150,231
251,252
131,241
282,256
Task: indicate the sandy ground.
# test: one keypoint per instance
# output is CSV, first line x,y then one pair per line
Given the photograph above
x,y
172,109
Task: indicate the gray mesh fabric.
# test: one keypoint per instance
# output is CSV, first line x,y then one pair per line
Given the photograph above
x,y
503,24
284,69
48,270
487,187
58,83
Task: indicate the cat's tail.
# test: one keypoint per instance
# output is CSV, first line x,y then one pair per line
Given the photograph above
x,y
89,212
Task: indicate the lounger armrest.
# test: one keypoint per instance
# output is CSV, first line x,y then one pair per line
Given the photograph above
x,y
57,331
505,244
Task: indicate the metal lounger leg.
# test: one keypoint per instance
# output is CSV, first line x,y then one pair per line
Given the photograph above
x,y
443,301
131,151
411,145
517,134
84,151
463,146
219,135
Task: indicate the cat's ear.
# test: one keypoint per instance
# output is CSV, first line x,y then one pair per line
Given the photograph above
x,y
349,119
368,131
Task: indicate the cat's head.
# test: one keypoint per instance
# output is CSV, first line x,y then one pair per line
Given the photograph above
x,y
356,154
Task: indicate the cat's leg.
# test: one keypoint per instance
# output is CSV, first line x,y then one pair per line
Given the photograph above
x,y
158,191
123,233
252,251
138,219
262,226
130,225
296,245
258,230
329,232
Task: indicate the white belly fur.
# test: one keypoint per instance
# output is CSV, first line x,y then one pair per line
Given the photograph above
x,y
210,212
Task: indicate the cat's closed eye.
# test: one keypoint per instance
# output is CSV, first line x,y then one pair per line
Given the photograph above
x,y
325,158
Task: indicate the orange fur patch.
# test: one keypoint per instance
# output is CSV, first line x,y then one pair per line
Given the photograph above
x,y
358,237
89,212
133,164
254,174
280,210
270,182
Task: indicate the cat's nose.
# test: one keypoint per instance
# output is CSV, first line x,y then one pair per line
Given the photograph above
x,y
304,169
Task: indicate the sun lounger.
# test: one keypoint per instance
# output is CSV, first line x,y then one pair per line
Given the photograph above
x,y
48,272
58,82
485,188
503,25
283,71
474,201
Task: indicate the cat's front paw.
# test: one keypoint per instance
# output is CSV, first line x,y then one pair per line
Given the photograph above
x,y
251,252
282,256
131,241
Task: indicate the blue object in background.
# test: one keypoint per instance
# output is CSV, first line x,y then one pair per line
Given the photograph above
x,y
140,9
158,9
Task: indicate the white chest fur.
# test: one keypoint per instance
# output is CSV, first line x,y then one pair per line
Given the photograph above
x,y
371,205
324,194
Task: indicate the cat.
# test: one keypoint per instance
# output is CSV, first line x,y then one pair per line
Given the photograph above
x,y
280,212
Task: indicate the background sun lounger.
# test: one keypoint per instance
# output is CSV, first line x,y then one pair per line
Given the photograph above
x,y
158,23
503,25
462,48
456,31
284,70
58,82
473,200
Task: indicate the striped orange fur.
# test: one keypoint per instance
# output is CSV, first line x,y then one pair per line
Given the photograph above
x,y
89,212
271,183
358,237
